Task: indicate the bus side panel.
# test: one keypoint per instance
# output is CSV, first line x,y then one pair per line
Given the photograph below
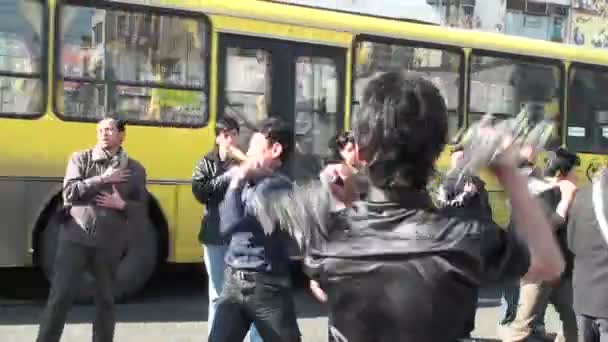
x,y
501,211
189,214
13,236
591,164
165,195
22,203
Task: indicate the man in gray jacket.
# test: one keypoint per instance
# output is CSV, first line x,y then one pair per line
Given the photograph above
x,y
103,191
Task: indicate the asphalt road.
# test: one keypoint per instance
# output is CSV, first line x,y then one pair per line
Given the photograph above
x,y
173,307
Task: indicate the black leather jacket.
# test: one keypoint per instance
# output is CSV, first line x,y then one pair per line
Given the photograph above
x,y
445,257
452,197
209,183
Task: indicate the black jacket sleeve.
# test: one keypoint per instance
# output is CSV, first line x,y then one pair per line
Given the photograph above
x,y
549,200
207,185
506,257
484,199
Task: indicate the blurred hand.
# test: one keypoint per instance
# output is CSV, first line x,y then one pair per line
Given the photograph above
x,y
316,290
567,188
236,153
340,178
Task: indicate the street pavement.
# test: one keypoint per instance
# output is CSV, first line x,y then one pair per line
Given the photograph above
x,y
173,307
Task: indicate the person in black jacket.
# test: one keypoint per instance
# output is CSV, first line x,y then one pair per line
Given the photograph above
x,y
344,151
209,183
394,267
464,194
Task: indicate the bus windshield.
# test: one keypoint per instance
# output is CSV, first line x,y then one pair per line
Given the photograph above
x,y
21,32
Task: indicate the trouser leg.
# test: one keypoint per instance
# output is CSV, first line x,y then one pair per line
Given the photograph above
x,y
70,263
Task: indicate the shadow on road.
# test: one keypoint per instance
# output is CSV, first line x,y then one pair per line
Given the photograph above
x,y
178,293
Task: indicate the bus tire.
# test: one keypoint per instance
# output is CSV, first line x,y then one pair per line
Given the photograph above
x,y
137,263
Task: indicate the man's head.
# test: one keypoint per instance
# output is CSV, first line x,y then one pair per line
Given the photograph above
x,y
344,146
561,164
226,131
272,144
400,130
110,133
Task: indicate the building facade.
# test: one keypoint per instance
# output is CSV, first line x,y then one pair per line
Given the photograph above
x,y
575,22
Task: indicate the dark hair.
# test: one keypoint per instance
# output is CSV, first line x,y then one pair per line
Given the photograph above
x,y
278,131
560,160
121,125
225,124
340,141
401,129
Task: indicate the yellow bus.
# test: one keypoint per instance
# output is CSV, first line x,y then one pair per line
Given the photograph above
x,y
172,67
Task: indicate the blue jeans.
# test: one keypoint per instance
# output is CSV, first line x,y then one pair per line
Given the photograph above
x,y
215,265
262,298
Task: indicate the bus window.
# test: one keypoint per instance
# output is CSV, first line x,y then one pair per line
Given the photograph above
x,y
21,35
587,119
317,99
504,86
247,88
441,67
145,67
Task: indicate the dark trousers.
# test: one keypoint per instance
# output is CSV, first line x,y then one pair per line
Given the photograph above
x,y
592,329
511,296
330,335
71,262
252,297
470,323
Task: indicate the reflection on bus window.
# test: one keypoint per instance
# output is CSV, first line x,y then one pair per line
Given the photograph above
x,y
248,88
503,87
20,57
317,96
140,65
587,125
316,103
438,66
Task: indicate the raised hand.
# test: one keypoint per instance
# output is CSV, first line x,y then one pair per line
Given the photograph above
x,y
118,176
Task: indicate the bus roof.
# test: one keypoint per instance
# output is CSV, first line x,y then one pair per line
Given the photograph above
x,y
415,11
273,11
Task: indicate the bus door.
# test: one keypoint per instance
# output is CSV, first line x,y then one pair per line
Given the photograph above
x,y
301,83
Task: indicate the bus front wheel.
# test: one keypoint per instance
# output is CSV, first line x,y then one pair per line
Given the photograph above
x,y
137,262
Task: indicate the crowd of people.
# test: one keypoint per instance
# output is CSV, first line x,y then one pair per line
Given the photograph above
x,y
391,261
